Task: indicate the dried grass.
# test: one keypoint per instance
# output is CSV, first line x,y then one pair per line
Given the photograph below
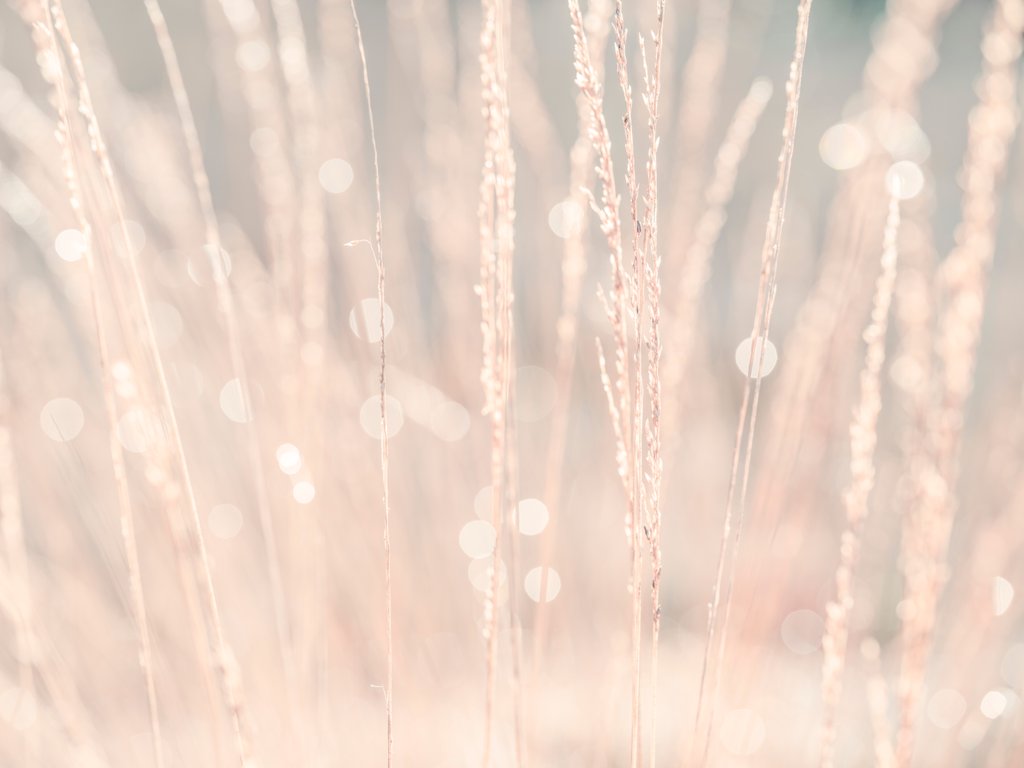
x,y
191,554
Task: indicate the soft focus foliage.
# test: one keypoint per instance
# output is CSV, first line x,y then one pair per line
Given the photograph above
x,y
288,479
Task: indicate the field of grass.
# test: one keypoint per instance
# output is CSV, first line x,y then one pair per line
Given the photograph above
x,y
507,383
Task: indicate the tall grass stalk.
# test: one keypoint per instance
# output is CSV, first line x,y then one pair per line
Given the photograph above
x,y
863,438
696,263
636,296
497,217
384,462
57,26
213,244
903,57
651,337
46,39
637,299
574,269
752,387
992,124
619,307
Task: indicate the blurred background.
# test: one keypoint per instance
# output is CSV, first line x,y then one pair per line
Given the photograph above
x,y
287,486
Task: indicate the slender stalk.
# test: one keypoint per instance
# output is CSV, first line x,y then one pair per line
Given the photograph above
x,y
379,257
694,273
57,24
637,301
992,122
696,266
752,387
46,38
497,215
226,306
652,340
863,438
574,267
